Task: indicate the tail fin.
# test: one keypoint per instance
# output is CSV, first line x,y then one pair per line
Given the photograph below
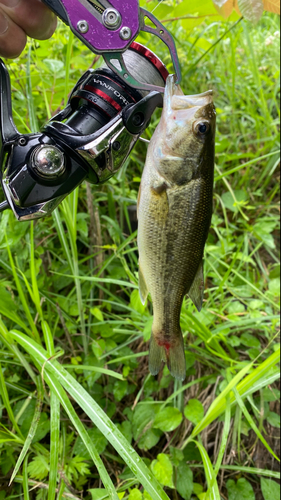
x,y
176,360
156,356
172,354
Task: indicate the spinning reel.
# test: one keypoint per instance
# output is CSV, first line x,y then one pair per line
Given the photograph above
x,y
106,113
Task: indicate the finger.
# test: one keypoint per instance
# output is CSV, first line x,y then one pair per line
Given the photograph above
x,y
12,37
32,16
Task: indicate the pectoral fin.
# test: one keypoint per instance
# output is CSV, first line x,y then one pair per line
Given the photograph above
x,y
143,290
196,291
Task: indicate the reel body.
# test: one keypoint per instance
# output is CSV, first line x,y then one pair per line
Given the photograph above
x,y
88,140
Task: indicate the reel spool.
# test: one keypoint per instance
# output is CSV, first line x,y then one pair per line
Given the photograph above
x,y
101,95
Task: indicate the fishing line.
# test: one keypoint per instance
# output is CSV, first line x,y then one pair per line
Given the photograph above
x,y
156,7
215,44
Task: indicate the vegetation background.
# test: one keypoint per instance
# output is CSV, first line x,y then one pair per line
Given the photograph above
x,y
80,415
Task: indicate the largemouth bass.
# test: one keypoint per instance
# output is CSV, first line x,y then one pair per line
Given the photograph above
x,y
174,213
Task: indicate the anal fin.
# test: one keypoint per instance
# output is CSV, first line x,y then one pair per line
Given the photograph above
x,y
143,290
196,291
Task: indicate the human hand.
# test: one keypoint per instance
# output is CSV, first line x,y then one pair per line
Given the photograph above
x,y
22,18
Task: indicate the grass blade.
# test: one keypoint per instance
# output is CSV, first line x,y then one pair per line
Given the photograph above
x,y
219,405
54,444
247,470
252,423
210,474
7,341
29,94
25,479
54,420
21,293
225,436
69,209
60,394
94,279
256,379
252,470
6,402
96,414
244,165
35,291
67,66
32,430
259,375
95,369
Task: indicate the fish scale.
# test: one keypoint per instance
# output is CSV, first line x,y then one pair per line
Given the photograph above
x,y
174,212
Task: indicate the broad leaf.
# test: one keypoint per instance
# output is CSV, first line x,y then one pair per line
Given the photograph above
x,y
168,420
176,455
272,6
162,469
194,411
135,494
232,202
270,394
252,10
143,419
120,389
54,65
99,494
270,489
242,490
184,483
220,3
274,419
224,7
249,340
149,439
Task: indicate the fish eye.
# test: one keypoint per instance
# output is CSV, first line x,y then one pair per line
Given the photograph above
x,y
202,128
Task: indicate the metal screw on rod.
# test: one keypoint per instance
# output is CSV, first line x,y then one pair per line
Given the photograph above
x,y
125,33
82,26
111,19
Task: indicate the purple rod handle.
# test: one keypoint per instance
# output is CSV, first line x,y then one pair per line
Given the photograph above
x,y
110,27
102,26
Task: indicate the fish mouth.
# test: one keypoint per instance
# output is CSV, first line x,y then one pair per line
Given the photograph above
x,y
177,101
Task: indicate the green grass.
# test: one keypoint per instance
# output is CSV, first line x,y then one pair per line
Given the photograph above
x,y
80,415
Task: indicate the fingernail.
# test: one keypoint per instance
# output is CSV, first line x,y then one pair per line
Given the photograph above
x,y
10,3
3,24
